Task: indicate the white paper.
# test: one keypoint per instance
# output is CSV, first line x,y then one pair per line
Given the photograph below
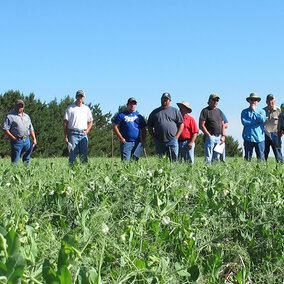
x,y
69,147
219,148
138,150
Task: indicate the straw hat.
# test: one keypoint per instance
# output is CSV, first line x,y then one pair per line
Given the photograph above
x,y
185,104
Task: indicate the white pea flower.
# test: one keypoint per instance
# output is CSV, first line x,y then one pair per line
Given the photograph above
x,y
105,228
100,186
8,184
125,178
192,236
69,189
166,220
149,173
160,171
80,204
186,196
123,238
51,192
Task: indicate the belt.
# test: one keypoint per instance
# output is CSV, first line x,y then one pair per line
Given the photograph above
x,y
22,138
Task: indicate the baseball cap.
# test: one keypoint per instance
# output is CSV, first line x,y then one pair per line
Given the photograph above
x,y
80,93
270,97
214,96
166,95
130,100
20,102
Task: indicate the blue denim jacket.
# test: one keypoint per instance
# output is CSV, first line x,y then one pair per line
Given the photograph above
x,y
253,122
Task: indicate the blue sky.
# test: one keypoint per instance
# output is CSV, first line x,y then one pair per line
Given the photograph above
x,y
114,50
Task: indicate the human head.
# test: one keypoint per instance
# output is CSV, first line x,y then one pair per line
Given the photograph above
x,y
270,101
80,93
282,108
19,106
253,97
213,100
131,104
166,100
184,107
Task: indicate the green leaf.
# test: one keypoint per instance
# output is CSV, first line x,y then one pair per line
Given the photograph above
x,y
140,263
13,242
15,267
64,275
194,272
48,273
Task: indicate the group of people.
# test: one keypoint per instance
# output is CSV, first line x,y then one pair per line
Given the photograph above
x,y
173,130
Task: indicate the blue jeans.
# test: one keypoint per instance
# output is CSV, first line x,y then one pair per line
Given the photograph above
x,y
186,153
171,148
259,149
273,141
79,143
209,145
127,149
19,147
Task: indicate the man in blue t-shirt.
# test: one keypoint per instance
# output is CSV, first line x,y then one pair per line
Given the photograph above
x,y
128,125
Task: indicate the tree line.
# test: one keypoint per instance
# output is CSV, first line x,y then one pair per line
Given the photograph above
x,y
47,119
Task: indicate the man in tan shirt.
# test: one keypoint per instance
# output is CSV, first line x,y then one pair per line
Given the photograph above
x,y
270,127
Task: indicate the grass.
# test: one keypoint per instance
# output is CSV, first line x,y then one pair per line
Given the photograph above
x,y
146,222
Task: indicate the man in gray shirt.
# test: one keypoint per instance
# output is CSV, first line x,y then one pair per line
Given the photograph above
x,y
165,124
18,127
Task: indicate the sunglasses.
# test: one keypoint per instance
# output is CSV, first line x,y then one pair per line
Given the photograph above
x,y
215,100
253,100
133,103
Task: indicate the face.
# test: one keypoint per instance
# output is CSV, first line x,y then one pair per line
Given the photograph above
x,y
183,109
165,102
131,106
270,103
213,102
253,102
79,98
19,108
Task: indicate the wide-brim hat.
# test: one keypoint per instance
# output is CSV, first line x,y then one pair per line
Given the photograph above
x,y
253,96
185,104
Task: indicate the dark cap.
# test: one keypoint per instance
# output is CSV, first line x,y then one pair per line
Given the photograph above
x,y
166,95
20,102
80,93
130,100
270,97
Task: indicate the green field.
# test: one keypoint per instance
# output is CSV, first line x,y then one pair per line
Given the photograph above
x,y
146,222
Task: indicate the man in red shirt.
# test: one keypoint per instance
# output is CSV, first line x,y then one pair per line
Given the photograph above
x,y
187,138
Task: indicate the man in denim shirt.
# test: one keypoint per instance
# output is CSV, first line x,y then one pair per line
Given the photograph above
x,y
253,119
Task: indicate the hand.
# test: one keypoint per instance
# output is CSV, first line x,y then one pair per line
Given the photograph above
x,y
66,139
122,140
190,144
223,138
253,107
85,132
34,142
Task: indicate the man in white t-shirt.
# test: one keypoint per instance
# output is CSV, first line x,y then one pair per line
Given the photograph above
x,y
78,121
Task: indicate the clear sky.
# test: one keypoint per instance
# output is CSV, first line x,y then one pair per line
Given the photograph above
x,y
117,49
